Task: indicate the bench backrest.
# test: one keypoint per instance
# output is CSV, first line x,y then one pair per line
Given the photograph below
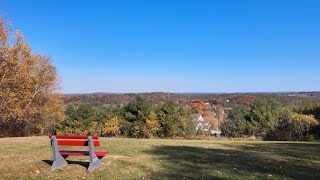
x,y
73,140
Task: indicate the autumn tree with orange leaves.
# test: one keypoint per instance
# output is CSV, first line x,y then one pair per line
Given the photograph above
x,y
29,103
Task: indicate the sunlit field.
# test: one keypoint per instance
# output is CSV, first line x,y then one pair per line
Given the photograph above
x,y
31,157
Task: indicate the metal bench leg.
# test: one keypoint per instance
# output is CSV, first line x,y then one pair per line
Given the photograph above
x,y
59,161
94,160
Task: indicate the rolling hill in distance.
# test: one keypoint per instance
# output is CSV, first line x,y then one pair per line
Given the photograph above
x,y
232,98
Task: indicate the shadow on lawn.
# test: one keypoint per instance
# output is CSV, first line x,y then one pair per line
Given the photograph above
x,y
81,163
238,161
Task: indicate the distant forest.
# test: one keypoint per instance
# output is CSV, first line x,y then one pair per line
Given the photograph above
x,y
268,116
234,98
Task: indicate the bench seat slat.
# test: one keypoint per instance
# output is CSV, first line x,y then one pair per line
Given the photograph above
x,y
76,142
82,153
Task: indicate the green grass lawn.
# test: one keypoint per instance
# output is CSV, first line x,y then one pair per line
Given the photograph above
x,y
30,158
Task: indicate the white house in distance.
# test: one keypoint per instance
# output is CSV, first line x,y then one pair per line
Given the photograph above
x,y
201,124
204,126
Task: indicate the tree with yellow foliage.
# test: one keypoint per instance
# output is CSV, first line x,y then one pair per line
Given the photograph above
x,y
302,124
112,127
151,126
29,103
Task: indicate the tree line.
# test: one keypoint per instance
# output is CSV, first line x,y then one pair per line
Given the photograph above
x,y
142,118
139,118
269,120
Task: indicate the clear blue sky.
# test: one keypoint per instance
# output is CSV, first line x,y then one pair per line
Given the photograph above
x,y
175,46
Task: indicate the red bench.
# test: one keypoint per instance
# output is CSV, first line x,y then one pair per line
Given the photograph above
x,y
66,140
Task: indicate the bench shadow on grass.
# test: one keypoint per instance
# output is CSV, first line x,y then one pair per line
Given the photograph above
x,y
287,160
81,163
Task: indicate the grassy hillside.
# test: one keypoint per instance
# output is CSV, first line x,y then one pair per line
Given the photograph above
x,y
31,157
